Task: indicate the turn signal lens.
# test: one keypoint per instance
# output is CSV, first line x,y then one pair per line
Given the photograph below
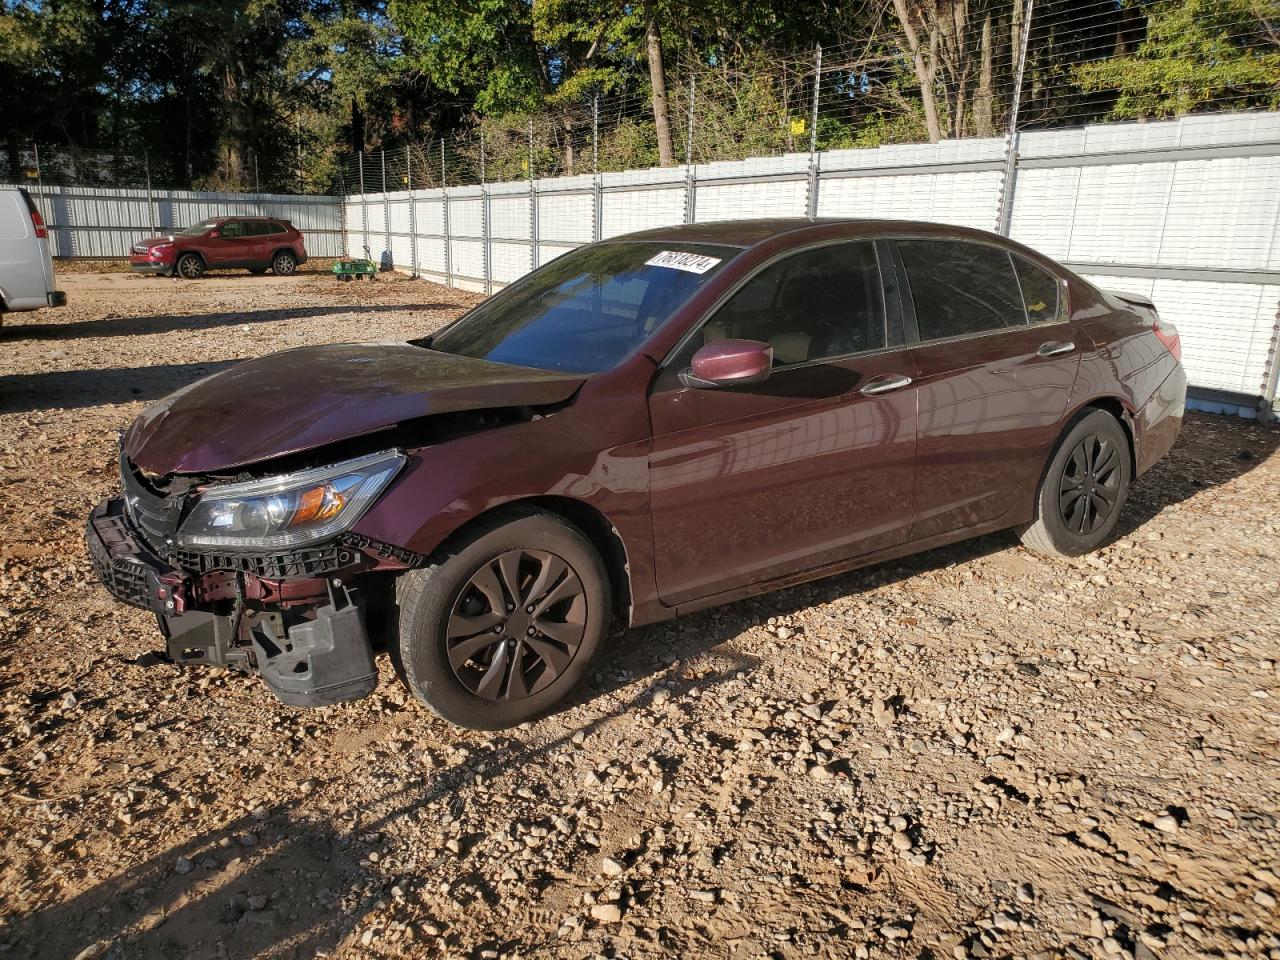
x,y
318,503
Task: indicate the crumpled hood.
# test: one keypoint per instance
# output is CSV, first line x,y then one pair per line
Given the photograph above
x,y
305,398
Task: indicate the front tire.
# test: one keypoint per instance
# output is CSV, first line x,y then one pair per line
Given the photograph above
x,y
502,625
284,263
190,266
1083,490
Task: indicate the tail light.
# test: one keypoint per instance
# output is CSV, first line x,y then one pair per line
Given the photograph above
x,y
1167,334
37,221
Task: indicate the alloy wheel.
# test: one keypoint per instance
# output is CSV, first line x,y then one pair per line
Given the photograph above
x,y
283,265
516,625
190,269
1090,485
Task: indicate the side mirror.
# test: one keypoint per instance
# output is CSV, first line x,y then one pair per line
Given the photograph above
x,y
215,232
725,363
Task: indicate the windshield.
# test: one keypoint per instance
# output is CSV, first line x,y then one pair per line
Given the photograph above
x,y
199,230
583,312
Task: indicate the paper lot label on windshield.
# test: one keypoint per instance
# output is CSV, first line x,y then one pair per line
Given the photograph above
x,y
678,260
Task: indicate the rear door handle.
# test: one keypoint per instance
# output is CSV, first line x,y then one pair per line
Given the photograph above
x,y
1055,348
885,384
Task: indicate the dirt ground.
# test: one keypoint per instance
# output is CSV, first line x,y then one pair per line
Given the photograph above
x,y
974,753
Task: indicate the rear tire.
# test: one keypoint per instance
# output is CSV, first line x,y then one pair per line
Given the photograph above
x,y
1083,489
468,646
190,266
284,263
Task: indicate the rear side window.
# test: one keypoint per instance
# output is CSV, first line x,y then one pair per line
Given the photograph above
x,y
815,305
232,229
1040,291
961,288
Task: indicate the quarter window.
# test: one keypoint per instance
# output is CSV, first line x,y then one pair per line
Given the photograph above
x,y
817,304
1040,290
961,288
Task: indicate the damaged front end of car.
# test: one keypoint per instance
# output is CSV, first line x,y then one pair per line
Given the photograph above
x,y
257,573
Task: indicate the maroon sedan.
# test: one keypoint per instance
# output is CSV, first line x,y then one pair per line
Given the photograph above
x,y
256,244
640,428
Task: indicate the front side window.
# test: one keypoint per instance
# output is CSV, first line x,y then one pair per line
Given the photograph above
x,y
961,288
586,310
814,305
1040,291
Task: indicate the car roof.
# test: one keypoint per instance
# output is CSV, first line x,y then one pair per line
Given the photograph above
x,y
247,216
748,233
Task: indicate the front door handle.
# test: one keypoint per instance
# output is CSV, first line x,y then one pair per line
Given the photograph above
x,y
1054,348
885,384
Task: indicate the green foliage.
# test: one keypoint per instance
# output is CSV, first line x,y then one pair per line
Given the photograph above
x,y
1197,53
481,48
242,93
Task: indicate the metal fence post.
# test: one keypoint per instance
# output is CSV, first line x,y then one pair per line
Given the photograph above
x,y
597,193
413,211
364,209
595,134
386,217
486,242
448,243
342,210
811,199
152,219
1004,217
690,177
533,207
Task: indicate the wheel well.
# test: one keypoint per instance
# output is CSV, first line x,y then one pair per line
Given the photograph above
x,y
1117,409
192,253
594,526
288,250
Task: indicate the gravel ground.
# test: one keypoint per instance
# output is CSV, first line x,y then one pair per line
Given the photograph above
x,y
974,753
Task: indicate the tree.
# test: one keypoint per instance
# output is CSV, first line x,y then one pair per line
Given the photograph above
x,y
1196,54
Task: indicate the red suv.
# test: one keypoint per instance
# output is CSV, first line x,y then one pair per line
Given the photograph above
x,y
252,243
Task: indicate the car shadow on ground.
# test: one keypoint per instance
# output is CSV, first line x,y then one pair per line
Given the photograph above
x,y
167,323
65,389
309,866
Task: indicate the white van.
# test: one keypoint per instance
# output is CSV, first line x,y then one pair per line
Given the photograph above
x,y
26,267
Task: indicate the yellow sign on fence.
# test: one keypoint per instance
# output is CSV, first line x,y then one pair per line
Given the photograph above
x,y
797,125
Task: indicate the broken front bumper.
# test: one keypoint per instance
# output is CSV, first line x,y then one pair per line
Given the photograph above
x,y
319,654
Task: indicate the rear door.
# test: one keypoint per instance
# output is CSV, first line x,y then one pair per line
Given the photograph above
x,y
264,237
996,361
23,281
752,483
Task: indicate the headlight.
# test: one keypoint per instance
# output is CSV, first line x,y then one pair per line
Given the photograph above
x,y
289,510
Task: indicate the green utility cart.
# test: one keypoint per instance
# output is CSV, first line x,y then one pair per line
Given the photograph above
x,y
346,269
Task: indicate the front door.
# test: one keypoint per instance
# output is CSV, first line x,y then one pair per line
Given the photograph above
x,y
230,248
753,483
996,361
